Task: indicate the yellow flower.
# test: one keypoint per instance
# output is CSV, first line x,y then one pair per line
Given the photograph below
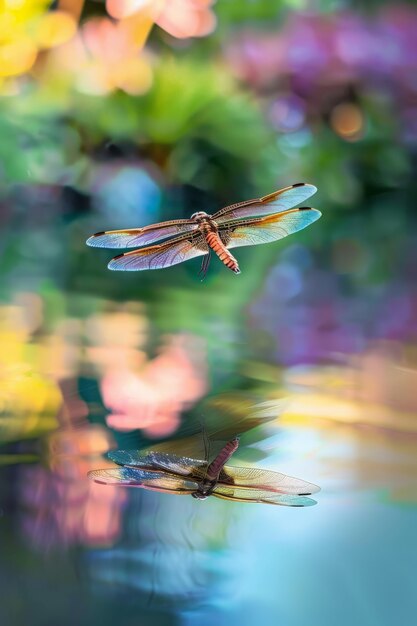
x,y
29,399
102,57
26,26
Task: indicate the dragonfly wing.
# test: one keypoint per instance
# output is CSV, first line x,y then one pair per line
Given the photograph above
x,y
280,200
161,255
157,461
154,481
260,495
253,477
134,237
266,229
191,447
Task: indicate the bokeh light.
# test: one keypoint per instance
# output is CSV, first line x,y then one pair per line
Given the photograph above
x,y
347,121
54,29
120,114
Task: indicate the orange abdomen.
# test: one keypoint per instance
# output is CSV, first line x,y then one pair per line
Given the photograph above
x,y
224,455
222,252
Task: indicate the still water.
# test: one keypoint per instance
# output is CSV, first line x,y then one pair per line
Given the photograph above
x,y
83,375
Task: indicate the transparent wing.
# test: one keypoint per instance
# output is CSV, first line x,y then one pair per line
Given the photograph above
x,y
135,237
247,477
156,461
260,495
155,481
225,416
162,255
191,447
238,412
266,229
275,202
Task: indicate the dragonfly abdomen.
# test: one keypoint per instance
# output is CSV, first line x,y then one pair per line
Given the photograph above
x,y
222,252
224,455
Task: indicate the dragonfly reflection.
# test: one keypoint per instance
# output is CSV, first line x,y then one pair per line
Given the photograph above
x,y
180,475
247,223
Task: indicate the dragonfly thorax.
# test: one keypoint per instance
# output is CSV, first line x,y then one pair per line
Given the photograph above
x,y
205,489
200,216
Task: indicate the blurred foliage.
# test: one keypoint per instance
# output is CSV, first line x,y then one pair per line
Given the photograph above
x,y
235,12
112,119
192,110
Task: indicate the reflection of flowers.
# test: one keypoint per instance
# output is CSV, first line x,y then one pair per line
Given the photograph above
x,y
61,506
154,398
355,445
61,511
375,387
142,393
29,398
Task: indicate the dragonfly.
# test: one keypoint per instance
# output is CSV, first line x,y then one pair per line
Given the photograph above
x,y
247,223
179,475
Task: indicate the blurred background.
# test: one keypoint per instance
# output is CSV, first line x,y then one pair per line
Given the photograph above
x,y
120,113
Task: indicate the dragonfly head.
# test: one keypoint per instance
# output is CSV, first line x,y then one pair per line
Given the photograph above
x,y
205,489
199,496
199,216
